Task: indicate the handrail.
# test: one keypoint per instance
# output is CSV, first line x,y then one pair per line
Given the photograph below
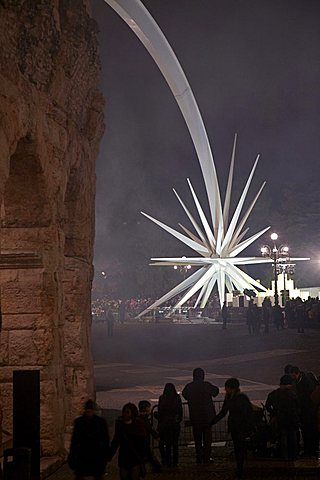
x,y
219,431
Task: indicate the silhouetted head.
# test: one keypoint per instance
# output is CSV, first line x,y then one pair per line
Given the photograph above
x,y
129,412
286,380
295,373
169,389
198,374
232,383
144,406
90,408
288,369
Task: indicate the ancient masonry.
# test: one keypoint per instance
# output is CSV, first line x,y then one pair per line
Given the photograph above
x,y
51,122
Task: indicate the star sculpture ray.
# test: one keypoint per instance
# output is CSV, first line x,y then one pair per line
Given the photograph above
x,y
218,246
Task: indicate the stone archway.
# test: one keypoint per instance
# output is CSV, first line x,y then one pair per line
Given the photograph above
x,y
25,203
31,307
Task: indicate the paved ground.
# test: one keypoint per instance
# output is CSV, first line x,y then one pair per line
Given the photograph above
x,y
139,359
222,468
137,362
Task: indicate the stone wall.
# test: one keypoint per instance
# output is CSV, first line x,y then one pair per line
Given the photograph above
x,y
51,122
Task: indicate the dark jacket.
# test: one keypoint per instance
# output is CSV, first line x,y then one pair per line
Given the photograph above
x,y
240,420
89,446
284,406
288,409
271,403
150,431
304,388
199,396
131,439
169,412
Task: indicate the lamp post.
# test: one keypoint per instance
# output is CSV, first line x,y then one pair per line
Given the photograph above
x,y
277,254
285,268
183,268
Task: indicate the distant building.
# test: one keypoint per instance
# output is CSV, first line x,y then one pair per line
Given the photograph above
x,y
284,283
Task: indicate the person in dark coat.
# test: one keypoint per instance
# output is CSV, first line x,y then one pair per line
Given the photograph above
x,y
284,408
199,395
300,315
288,414
305,384
89,444
277,317
240,420
266,314
169,419
145,414
130,438
110,322
251,317
225,315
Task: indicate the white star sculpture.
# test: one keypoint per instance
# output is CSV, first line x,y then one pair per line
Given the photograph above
x,y
218,246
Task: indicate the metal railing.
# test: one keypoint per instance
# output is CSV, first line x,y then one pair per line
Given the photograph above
x,y
219,431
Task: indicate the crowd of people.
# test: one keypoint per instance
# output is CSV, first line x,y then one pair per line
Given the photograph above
x,y
294,410
296,313
124,310
127,309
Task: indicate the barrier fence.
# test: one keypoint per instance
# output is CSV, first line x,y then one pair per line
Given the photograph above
x,y
219,431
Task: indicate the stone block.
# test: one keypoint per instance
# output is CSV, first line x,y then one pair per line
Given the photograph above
x,y
5,374
21,298
27,321
4,349
22,350
6,402
43,341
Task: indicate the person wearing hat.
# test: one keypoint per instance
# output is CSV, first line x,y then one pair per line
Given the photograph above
x,y
89,447
240,420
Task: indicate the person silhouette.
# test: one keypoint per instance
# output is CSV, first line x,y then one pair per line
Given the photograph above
x,y
199,394
89,446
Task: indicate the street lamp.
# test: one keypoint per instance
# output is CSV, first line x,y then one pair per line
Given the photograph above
x,y
285,268
183,268
277,254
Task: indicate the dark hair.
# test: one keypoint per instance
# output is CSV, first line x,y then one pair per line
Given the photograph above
x,y
286,380
169,390
143,405
288,369
232,383
198,374
132,407
90,405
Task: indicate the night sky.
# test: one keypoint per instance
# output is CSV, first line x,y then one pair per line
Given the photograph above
x,y
254,68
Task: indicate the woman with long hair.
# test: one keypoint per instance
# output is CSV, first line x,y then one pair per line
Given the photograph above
x,y
169,419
